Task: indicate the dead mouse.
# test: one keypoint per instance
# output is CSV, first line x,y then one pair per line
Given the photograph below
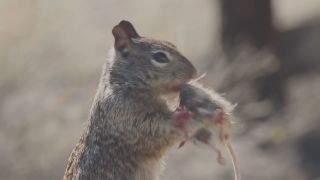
x,y
215,112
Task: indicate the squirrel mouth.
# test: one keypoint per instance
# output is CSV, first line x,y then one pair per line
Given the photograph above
x,y
176,88
172,89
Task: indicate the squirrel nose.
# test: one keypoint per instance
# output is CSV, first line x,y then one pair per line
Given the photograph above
x,y
190,69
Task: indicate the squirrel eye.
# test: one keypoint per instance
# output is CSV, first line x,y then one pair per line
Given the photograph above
x,y
160,57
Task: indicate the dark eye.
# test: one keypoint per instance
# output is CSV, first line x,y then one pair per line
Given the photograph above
x,y
160,57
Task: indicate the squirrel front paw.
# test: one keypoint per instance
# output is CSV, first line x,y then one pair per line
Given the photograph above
x,y
184,121
181,118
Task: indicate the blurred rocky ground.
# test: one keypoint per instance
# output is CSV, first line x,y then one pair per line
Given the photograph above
x,y
51,54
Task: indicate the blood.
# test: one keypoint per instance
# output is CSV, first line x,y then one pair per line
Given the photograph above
x,y
181,118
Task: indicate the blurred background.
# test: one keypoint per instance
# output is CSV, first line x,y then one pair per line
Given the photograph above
x,y
262,54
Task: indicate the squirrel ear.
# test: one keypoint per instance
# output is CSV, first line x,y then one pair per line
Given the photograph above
x,y
129,29
121,38
122,34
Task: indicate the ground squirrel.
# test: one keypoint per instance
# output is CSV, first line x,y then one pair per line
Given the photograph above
x,y
130,126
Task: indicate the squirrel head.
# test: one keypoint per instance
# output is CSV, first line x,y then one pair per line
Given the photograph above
x,y
147,64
